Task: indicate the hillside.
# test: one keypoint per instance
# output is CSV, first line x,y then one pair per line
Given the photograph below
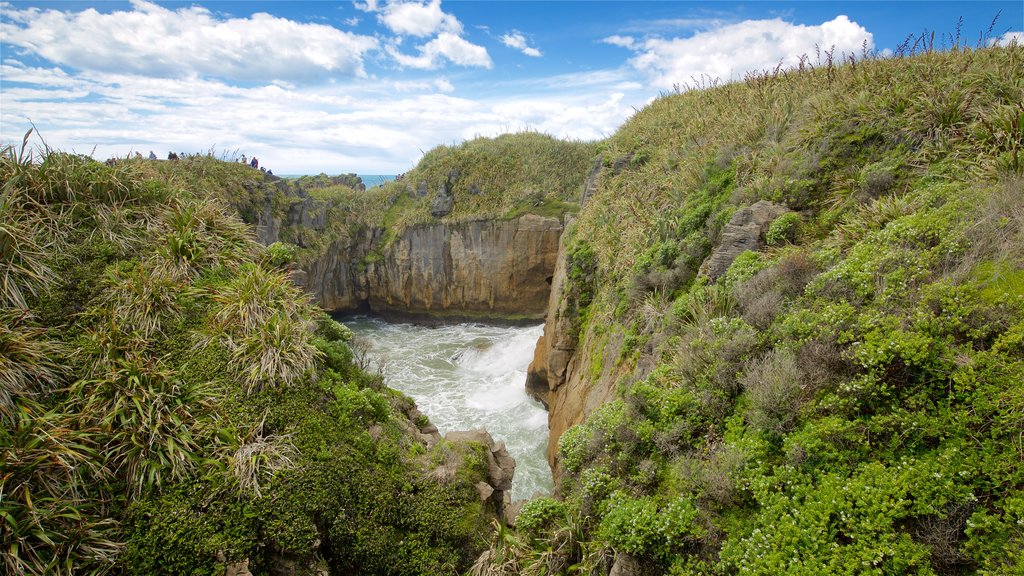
x,y
787,333
172,404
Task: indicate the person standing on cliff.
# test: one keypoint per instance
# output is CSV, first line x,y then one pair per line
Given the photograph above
x,y
244,159
254,163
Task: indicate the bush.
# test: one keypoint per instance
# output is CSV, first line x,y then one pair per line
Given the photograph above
x,y
540,514
773,386
642,527
783,229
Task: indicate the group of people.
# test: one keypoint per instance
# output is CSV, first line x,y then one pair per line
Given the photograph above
x,y
254,163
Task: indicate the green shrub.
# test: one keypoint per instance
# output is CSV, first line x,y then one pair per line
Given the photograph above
x,y
784,229
642,527
540,514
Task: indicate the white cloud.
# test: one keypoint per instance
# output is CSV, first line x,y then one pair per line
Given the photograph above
x,y
437,85
515,39
367,125
153,40
1008,39
418,19
446,47
368,6
731,51
622,41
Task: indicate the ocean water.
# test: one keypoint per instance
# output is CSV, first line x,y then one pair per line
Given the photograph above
x,y
372,180
465,376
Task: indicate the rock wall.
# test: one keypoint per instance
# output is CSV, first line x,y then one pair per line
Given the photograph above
x,y
482,268
554,376
493,269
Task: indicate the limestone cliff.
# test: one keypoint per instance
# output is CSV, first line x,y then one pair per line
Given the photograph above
x,y
554,376
495,269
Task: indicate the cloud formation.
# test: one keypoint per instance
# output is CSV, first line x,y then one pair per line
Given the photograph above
x,y
1013,37
515,39
191,41
418,19
730,51
447,47
372,126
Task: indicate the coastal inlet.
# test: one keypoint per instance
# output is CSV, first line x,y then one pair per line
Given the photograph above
x,y
465,376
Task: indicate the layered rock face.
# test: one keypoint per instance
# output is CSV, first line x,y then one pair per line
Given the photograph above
x,y
554,376
494,269
478,268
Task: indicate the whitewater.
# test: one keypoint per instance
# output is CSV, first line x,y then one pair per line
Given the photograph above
x,y
465,376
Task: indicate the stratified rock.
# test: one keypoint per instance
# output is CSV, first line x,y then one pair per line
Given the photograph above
x,y
745,231
590,183
443,203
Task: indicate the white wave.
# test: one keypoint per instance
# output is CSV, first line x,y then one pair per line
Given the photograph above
x,y
464,376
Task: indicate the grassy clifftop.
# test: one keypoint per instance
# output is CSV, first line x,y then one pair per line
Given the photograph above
x,y
171,404
847,397
497,177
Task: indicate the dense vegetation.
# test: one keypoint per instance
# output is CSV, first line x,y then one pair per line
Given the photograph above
x,y
849,398
846,399
171,404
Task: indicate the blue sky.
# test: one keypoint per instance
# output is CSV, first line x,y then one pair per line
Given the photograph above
x,y
368,86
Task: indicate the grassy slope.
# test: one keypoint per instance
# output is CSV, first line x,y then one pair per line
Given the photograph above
x,y
847,400
170,402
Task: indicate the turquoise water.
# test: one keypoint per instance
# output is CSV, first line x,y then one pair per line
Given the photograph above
x,y
465,376
372,180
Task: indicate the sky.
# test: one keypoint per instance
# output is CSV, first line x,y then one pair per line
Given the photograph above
x,y
369,86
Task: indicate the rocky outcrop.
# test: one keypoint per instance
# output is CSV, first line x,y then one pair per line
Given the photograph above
x,y
745,231
501,467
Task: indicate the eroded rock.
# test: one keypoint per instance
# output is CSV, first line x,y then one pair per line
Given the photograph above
x,y
745,231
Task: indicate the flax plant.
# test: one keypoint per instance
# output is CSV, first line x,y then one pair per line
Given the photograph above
x,y
151,420
261,317
28,363
53,522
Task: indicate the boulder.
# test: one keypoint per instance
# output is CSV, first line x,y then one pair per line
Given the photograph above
x,y
443,203
626,565
501,466
745,231
485,490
